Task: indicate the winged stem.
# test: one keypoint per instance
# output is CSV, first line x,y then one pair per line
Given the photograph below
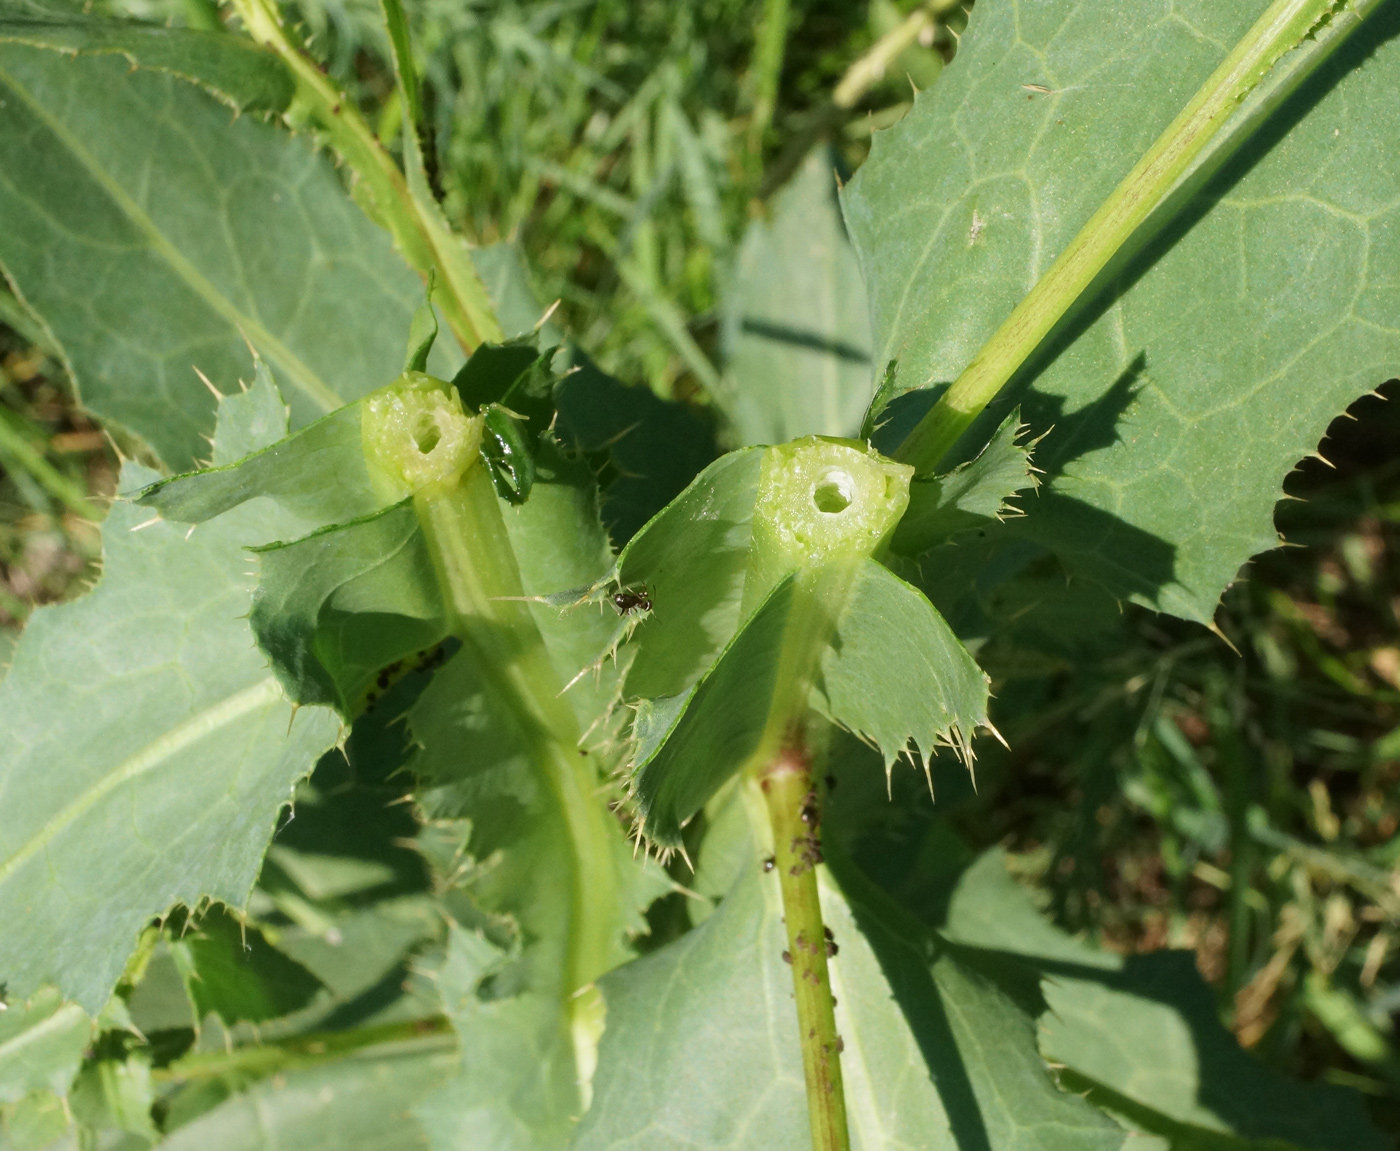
x,y
1286,25
418,441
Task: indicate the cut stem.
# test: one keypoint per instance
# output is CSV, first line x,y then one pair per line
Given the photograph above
x,y
418,440
794,812
1284,26
481,584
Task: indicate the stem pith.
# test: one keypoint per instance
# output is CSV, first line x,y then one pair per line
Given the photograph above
x,y
794,812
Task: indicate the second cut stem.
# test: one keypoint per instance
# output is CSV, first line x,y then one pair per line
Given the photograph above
x,y
794,810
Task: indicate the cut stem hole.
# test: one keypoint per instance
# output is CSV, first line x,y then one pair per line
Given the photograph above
x,y
833,492
426,433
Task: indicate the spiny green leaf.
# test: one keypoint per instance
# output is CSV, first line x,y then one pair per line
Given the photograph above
x,y
1206,367
518,1085
333,610
972,495
148,750
559,542
114,1096
40,1120
797,328
701,1052
491,370
514,885
245,232
41,1044
239,975
317,477
689,745
936,696
230,68
1146,1028
691,558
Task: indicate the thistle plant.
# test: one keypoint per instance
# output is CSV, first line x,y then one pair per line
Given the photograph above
x,y
597,668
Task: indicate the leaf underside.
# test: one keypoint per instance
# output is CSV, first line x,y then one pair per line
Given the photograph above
x,y
246,233
1203,371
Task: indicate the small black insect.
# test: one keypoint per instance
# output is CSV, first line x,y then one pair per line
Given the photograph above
x,y
627,601
769,863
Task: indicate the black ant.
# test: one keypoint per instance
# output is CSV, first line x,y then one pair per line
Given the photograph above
x,y
627,601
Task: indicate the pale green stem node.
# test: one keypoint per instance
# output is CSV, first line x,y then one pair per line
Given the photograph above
x,y
821,502
416,434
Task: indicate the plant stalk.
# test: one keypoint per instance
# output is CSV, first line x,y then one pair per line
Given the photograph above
x,y
481,585
871,67
419,441
1285,25
794,813
420,233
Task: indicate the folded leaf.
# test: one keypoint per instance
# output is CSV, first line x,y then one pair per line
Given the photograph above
x,y
689,746
1227,346
148,749
337,608
317,476
691,558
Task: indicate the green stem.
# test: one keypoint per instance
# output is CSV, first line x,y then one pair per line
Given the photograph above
x,y
481,584
413,1036
1285,25
419,232
793,811
419,441
873,65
